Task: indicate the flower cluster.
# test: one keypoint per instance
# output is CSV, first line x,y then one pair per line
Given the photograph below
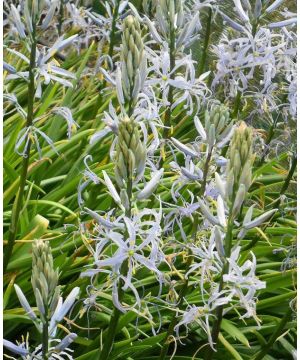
x,y
51,309
174,127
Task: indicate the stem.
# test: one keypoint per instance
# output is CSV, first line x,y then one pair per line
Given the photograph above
x,y
181,296
167,120
45,337
219,311
113,29
275,335
237,104
268,140
111,331
61,16
110,53
206,43
205,172
287,180
185,284
174,319
25,162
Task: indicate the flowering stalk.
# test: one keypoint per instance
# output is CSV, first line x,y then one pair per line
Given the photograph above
x,y
130,151
172,52
25,162
239,175
287,180
60,17
218,127
182,293
110,53
49,303
271,133
125,154
206,42
44,282
113,29
111,331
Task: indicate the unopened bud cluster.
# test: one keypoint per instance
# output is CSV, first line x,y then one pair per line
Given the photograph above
x,y
239,170
218,125
44,277
133,58
130,152
170,15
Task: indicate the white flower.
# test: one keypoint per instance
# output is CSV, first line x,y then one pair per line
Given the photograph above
x,y
62,309
199,315
191,172
239,57
66,113
133,243
31,133
178,213
242,283
187,87
151,185
46,69
104,23
16,349
208,261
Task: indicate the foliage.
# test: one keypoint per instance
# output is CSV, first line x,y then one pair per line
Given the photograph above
x,y
145,155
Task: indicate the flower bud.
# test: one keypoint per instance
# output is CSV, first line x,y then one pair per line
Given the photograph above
x,y
133,60
218,127
44,277
151,185
169,14
130,152
240,160
239,199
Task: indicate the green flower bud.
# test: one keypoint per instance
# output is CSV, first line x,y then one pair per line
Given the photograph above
x,y
240,156
130,152
133,59
239,168
218,126
44,277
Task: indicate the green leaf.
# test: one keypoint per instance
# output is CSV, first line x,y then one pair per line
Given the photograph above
x,y
234,332
230,348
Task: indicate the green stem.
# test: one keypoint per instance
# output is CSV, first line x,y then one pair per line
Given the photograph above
x,y
206,42
275,335
112,327
185,284
61,17
237,104
167,120
25,162
174,319
205,172
113,29
111,331
287,180
219,311
45,337
110,53
268,140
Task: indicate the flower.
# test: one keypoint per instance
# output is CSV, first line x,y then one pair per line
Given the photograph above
x,y
46,68
242,283
187,87
133,243
208,260
199,315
